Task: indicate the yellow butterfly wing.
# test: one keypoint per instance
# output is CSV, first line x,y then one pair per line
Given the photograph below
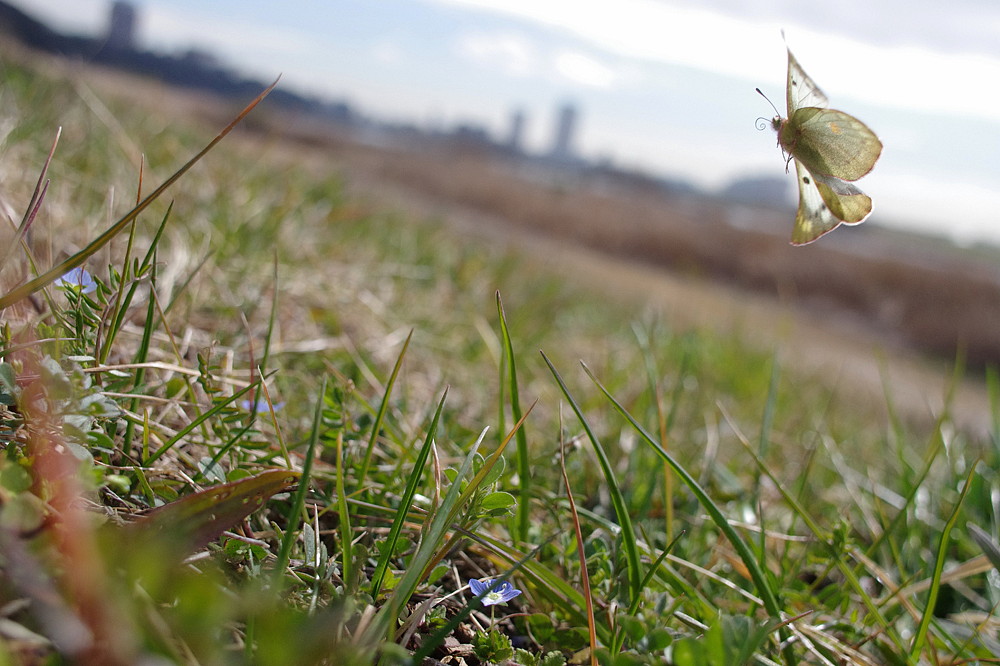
x,y
830,147
824,204
847,203
802,91
830,142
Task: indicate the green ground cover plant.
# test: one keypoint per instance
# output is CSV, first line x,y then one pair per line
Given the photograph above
x,y
250,419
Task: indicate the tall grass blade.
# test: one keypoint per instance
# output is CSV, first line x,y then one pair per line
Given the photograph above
x,y
299,501
767,594
383,407
218,407
37,196
346,534
629,540
523,517
807,519
582,556
412,483
939,561
471,489
122,304
78,259
763,440
385,619
663,421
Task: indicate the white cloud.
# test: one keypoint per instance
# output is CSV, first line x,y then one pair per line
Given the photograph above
x,y
387,52
583,69
646,29
510,53
518,56
902,75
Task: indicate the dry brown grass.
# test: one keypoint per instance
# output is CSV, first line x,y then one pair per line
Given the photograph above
x,y
922,295
861,289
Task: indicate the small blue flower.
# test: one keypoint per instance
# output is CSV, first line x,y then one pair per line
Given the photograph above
x,y
260,406
493,593
77,279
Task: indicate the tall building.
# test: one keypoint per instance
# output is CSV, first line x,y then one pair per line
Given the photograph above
x,y
515,137
121,26
562,144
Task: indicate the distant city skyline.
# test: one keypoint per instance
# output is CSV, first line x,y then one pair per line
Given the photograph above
x,y
564,132
665,85
121,25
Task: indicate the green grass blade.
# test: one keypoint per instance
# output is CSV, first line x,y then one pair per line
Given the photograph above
x,y
942,555
488,464
80,257
141,355
581,554
412,483
843,567
271,319
757,575
387,616
522,519
346,534
763,440
664,420
629,540
202,418
382,409
299,501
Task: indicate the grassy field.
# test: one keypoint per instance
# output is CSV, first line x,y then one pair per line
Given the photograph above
x,y
289,427
919,291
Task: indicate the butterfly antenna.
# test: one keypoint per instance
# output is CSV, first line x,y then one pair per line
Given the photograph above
x,y
759,92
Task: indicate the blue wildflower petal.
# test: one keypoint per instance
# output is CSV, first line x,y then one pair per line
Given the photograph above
x,y
492,593
77,279
477,586
260,406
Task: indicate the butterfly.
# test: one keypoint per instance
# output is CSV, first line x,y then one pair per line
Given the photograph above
x,y
831,149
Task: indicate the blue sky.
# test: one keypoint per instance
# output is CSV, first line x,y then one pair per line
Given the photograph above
x,y
666,85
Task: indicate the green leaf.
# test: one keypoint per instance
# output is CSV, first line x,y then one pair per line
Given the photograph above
x,y
689,652
525,658
498,503
8,384
742,638
23,513
438,572
493,647
495,473
553,658
13,477
540,627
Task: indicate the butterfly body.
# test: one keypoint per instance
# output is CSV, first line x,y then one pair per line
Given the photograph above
x,y
830,148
